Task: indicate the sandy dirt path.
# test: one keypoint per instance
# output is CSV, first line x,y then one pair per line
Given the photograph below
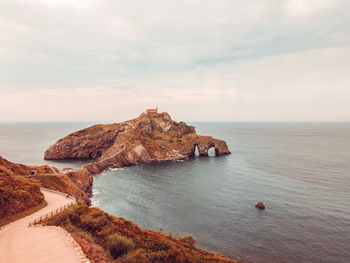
x,y
20,243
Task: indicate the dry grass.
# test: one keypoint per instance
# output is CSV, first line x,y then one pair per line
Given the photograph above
x,y
18,194
11,168
93,251
87,131
15,217
93,130
118,245
78,183
125,242
72,185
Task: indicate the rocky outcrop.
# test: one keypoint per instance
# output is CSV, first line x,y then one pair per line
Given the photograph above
x,y
75,182
149,137
260,205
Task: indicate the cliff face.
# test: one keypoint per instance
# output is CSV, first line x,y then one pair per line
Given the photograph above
x,y
75,182
150,137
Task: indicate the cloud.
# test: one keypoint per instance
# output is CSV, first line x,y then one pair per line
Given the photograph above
x,y
277,88
222,59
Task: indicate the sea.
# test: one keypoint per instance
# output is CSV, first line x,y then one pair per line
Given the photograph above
x,y
300,171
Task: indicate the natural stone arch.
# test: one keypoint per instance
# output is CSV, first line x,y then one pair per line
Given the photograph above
x,y
195,150
212,151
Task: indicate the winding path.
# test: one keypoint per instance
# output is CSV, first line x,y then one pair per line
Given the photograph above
x,y
20,243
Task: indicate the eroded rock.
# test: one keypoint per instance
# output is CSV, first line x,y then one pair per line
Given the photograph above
x,y
149,137
260,205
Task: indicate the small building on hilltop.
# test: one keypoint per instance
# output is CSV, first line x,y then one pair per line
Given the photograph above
x,y
152,110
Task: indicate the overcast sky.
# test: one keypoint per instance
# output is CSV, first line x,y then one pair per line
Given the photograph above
x,y
217,60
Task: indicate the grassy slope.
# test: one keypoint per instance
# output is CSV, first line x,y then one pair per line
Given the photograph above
x,y
17,194
105,238
62,183
76,183
27,212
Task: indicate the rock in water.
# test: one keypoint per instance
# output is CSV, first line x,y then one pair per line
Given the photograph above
x,y
149,137
260,205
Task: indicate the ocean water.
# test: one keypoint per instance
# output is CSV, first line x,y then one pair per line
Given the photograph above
x,y
26,142
300,171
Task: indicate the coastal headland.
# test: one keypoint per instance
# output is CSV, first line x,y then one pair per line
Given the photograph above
x,y
102,237
150,137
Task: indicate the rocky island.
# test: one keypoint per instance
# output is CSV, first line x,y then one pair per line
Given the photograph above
x,y
150,137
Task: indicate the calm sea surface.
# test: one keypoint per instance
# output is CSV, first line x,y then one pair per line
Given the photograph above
x,y
300,171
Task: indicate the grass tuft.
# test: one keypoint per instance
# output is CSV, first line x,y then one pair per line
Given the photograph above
x,y
118,245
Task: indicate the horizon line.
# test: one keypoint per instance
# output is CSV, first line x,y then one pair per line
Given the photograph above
x,y
196,121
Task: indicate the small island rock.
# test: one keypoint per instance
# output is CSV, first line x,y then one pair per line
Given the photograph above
x,y
260,205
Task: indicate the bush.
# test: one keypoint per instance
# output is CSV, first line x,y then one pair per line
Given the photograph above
x,y
118,245
85,235
75,219
93,222
141,255
188,241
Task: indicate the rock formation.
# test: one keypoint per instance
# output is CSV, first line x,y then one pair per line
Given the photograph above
x,y
260,205
149,137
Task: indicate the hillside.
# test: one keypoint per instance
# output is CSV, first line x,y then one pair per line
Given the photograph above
x,y
17,194
74,182
105,238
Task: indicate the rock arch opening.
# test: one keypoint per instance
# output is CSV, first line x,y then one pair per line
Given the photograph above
x,y
196,151
204,149
211,151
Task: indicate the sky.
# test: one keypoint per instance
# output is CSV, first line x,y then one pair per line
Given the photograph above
x,y
199,60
